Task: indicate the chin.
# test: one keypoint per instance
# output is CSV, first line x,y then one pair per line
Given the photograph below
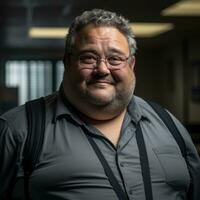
x,y
100,101
100,98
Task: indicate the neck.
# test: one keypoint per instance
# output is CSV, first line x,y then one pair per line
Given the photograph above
x,y
107,120
104,120
110,128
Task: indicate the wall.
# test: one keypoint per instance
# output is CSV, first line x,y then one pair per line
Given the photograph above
x,y
178,76
173,76
149,83
165,75
159,74
194,81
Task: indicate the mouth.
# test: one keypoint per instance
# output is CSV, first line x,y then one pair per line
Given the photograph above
x,y
101,81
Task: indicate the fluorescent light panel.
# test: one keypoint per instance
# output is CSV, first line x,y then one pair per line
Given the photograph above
x,y
150,29
47,32
140,30
183,8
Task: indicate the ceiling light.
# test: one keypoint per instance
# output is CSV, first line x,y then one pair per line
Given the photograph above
x,y
140,30
150,29
49,32
183,8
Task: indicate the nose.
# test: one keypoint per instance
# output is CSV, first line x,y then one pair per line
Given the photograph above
x,y
102,66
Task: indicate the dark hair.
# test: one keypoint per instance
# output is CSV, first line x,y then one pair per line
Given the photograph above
x,y
100,17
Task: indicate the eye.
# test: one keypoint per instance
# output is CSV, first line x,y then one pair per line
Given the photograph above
x,y
115,60
87,59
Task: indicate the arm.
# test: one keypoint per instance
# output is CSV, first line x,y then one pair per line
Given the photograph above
x,y
9,149
193,162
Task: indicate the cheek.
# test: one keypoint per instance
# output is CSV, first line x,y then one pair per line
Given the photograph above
x,y
125,75
79,76
84,74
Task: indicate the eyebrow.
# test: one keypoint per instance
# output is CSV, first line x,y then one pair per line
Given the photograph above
x,y
118,51
91,50
87,51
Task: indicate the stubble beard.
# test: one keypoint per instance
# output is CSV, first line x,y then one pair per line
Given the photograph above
x,y
117,102
87,103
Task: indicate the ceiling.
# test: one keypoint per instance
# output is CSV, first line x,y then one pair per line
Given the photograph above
x,y
18,15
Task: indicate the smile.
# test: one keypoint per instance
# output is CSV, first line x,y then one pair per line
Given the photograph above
x,y
102,82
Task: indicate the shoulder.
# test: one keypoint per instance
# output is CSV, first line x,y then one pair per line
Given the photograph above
x,y
13,126
150,113
15,120
145,109
153,117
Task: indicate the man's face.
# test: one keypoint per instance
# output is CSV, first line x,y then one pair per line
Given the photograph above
x,y
100,86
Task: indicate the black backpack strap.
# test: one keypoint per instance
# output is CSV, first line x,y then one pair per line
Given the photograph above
x,y
144,162
108,171
35,111
166,118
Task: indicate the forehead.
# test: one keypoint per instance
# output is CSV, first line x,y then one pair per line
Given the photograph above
x,y
101,36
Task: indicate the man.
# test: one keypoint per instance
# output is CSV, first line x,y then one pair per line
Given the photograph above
x,y
95,104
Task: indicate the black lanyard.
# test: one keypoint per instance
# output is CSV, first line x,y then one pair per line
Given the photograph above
x,y
143,161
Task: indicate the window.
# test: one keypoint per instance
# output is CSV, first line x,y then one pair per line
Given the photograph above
x,y
59,73
32,78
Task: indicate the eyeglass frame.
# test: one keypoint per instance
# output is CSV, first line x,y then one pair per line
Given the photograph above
x,y
105,60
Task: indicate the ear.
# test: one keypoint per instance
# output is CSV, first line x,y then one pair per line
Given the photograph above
x,y
132,62
66,60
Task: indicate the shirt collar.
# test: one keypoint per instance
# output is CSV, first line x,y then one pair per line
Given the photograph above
x,y
134,110
64,108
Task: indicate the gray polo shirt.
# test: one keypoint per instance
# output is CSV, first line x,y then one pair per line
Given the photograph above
x,y
69,169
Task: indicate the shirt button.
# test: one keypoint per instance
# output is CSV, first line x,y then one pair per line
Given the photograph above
x,y
122,164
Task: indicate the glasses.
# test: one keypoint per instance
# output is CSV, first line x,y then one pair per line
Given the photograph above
x,y
92,61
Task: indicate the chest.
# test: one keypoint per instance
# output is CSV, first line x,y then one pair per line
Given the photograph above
x,y
68,160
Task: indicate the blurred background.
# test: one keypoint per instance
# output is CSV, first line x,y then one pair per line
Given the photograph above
x,y
32,38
